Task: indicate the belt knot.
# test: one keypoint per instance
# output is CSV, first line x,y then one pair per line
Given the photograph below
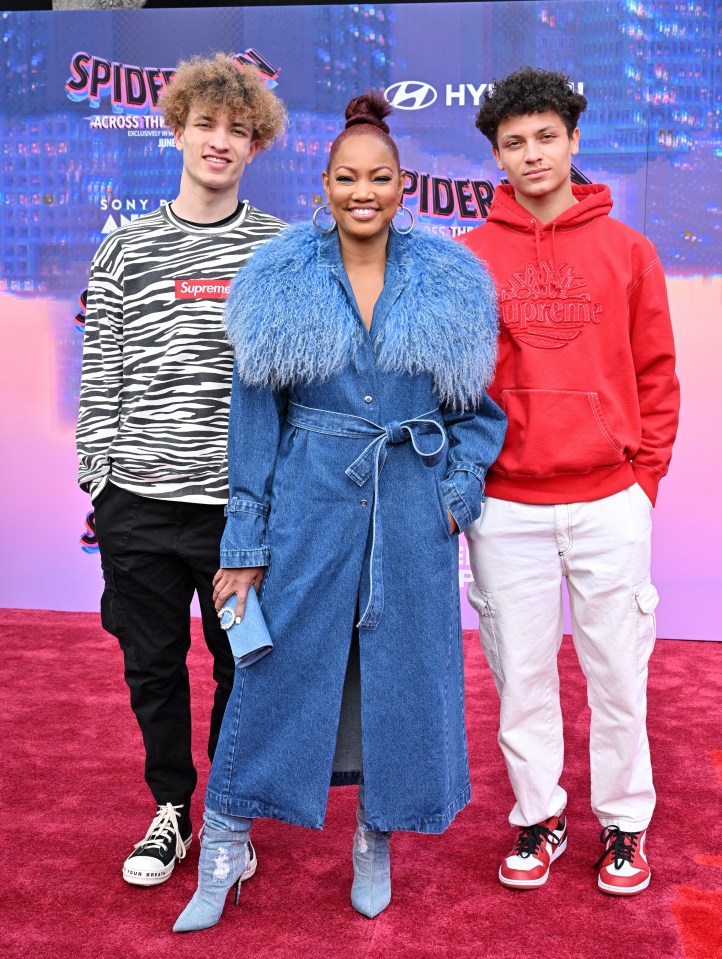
x,y
395,433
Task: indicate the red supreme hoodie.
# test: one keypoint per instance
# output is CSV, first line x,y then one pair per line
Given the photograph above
x,y
586,356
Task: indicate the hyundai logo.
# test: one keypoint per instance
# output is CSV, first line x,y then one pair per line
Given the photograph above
x,y
410,95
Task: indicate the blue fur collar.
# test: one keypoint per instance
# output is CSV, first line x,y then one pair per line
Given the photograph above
x,y
290,320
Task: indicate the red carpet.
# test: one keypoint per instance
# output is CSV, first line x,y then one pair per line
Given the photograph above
x,y
74,801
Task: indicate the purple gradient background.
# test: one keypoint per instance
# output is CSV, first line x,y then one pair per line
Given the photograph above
x,y
44,567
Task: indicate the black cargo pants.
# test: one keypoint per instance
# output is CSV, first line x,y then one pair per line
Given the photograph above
x,y
155,554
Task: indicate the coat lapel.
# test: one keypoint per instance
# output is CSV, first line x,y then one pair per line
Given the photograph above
x,y
292,315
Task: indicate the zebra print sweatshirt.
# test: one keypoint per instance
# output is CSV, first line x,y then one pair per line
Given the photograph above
x,y
157,368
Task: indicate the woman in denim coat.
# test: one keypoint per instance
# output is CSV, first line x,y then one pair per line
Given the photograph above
x,y
360,435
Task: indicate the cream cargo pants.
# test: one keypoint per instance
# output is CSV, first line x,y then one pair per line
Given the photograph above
x,y
519,554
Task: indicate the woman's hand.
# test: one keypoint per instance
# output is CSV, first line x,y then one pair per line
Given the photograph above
x,y
226,582
453,525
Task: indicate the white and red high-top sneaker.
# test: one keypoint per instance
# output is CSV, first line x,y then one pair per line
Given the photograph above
x,y
623,869
536,848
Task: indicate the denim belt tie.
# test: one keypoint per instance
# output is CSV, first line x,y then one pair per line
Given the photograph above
x,y
369,465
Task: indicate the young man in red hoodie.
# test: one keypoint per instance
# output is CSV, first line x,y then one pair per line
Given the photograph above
x,y
586,377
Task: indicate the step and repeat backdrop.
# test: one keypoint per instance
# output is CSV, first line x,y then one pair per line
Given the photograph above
x,y
84,152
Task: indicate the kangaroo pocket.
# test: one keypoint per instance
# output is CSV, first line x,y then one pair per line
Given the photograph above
x,y
556,431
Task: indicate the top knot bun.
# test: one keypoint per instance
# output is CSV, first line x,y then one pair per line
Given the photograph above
x,y
370,108
365,116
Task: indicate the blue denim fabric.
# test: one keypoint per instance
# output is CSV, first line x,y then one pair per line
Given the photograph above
x,y
308,490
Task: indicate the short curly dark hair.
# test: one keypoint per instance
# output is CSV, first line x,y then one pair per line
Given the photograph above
x,y
529,90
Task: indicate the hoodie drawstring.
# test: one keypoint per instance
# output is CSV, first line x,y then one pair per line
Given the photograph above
x,y
554,249
537,237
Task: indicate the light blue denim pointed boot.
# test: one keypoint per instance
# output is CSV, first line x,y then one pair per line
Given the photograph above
x,y
226,859
371,890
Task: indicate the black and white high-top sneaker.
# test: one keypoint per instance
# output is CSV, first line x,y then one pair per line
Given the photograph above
x,y
154,857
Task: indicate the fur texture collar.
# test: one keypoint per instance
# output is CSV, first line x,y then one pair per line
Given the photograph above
x,y
290,319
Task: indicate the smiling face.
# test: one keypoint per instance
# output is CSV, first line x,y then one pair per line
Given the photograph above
x,y
216,148
535,152
363,187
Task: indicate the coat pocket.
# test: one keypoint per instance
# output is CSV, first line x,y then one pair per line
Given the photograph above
x,y
443,509
556,431
646,600
482,601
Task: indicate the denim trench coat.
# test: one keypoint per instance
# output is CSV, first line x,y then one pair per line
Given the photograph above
x,y
346,447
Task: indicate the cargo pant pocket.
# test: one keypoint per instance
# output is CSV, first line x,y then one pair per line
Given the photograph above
x,y
482,601
113,615
646,600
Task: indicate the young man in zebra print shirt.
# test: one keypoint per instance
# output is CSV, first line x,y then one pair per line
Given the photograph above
x,y
153,419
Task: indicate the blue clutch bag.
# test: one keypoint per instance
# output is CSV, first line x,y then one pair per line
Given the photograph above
x,y
249,637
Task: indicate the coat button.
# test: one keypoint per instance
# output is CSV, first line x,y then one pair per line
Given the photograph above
x,y
368,399
364,502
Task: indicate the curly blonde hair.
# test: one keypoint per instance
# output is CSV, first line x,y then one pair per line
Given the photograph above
x,y
224,84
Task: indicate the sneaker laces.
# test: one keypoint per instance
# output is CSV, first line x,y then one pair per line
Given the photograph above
x,y
163,829
531,837
622,845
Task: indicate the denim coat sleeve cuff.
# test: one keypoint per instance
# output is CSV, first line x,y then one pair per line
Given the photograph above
x,y
239,558
462,491
244,538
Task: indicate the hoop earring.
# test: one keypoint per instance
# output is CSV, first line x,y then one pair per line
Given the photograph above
x,y
409,228
326,210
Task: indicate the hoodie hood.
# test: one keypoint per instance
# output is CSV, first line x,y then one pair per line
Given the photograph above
x,y
594,199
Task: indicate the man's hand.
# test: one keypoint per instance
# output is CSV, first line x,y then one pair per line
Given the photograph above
x,y
226,582
453,525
